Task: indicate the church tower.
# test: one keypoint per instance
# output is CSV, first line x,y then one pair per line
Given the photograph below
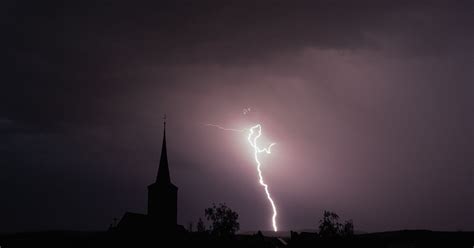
x,y
162,194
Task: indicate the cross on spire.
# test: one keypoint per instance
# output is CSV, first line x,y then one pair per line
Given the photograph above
x,y
164,120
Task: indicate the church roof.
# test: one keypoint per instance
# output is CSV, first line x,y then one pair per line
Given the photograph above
x,y
163,169
133,222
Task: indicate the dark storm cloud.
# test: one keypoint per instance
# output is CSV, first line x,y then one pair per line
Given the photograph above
x,y
179,29
97,47
186,31
380,92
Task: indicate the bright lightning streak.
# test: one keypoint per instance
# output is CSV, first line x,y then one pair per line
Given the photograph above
x,y
257,150
253,143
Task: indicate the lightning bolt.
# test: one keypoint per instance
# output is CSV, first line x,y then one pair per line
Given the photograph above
x,y
253,143
226,129
254,133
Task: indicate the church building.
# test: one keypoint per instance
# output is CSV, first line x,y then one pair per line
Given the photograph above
x,y
162,211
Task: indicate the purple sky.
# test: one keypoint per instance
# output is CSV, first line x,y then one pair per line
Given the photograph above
x,y
370,105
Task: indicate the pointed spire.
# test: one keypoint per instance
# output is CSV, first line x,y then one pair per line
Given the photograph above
x,y
163,170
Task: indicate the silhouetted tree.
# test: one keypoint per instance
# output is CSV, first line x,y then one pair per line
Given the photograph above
x,y
329,226
224,220
348,229
200,226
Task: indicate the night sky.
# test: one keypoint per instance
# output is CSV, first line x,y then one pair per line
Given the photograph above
x,y
369,102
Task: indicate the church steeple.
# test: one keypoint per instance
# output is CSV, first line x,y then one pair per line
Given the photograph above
x,y
163,170
163,194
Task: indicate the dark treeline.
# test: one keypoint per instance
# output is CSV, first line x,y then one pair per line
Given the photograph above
x,y
220,230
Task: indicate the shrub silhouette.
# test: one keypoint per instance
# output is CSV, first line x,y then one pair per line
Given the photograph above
x,y
224,220
329,226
